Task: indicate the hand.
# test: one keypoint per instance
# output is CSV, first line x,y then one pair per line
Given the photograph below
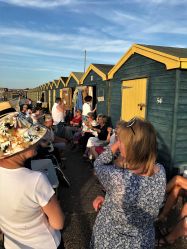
x,y
97,203
109,129
114,147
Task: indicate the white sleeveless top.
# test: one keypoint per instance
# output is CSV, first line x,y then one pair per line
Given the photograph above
x,y
58,116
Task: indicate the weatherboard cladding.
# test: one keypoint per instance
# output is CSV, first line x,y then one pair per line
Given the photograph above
x,y
72,83
101,90
60,85
161,83
92,79
181,125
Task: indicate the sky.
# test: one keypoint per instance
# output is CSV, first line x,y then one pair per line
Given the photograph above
x,y
43,40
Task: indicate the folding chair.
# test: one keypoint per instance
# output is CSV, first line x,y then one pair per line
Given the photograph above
x,y
47,167
63,180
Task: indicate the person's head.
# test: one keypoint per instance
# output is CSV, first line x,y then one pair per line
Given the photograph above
x,y
119,125
101,119
27,101
79,112
100,115
58,100
138,145
29,111
90,116
88,98
48,121
24,108
37,111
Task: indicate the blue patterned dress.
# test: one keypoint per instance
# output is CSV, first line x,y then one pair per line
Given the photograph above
x,y
132,203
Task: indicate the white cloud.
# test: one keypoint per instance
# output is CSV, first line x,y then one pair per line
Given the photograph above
x,y
39,3
60,42
166,27
161,2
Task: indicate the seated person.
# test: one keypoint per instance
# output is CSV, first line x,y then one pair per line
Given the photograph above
x,y
75,124
88,130
28,115
24,109
111,139
58,142
51,144
37,116
101,136
178,231
175,187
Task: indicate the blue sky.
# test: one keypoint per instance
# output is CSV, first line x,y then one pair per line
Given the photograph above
x,y
42,40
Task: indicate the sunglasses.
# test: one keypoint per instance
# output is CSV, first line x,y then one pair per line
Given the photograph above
x,y
130,124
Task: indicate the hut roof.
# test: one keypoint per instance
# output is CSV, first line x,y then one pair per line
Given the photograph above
x,y
76,75
101,69
62,80
172,57
105,68
177,52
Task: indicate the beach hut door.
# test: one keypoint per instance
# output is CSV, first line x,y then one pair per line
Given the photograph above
x,y
134,98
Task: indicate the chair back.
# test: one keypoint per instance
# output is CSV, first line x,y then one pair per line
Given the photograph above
x,y
46,166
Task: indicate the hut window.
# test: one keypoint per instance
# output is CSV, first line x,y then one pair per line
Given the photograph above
x,y
91,77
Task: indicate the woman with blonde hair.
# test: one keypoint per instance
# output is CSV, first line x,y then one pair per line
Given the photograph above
x,y
135,188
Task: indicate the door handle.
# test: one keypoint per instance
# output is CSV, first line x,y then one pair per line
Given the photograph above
x,y
141,105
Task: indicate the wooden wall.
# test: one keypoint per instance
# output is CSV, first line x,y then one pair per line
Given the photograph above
x,y
161,85
180,120
93,79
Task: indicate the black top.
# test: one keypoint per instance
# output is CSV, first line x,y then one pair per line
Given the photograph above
x,y
103,134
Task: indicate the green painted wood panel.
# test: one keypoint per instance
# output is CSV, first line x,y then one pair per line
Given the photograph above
x,y
180,158
161,84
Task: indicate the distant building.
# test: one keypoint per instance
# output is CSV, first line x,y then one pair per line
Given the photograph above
x,y
7,94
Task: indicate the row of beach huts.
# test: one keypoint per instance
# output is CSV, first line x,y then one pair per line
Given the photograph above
x,y
148,81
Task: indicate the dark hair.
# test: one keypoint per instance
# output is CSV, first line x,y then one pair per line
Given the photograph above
x,y
58,100
79,110
88,98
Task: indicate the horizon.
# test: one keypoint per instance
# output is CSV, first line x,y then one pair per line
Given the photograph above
x,y
44,40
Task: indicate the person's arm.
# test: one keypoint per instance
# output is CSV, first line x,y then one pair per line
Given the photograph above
x,y
54,213
44,195
109,130
104,168
114,147
95,109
